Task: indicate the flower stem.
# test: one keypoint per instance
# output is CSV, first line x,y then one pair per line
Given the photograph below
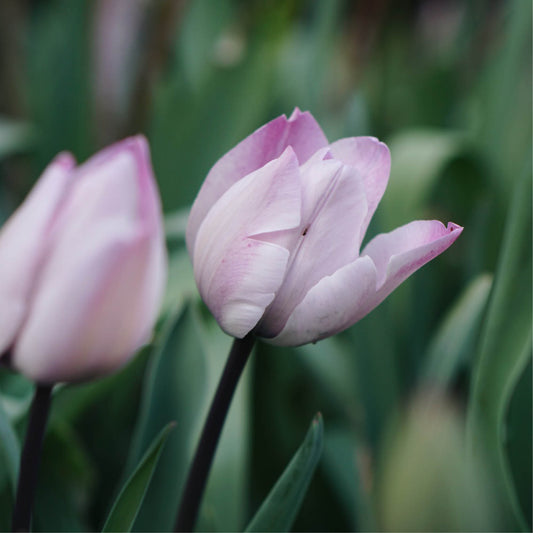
x,y
197,478
31,458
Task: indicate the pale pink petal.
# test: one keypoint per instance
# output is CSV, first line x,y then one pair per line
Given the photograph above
x,y
338,301
98,292
300,131
83,321
150,216
117,186
236,272
333,304
304,135
372,160
403,251
245,284
333,208
23,242
130,158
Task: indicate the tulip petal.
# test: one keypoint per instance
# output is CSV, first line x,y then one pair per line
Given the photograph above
x,y
372,160
333,208
300,131
128,160
338,301
106,242
403,251
23,242
83,321
333,304
119,182
238,272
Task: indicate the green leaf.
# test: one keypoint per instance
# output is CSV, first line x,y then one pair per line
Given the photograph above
x,y
425,481
519,443
15,137
345,462
176,224
9,448
419,156
128,502
66,479
455,339
278,511
59,106
505,349
175,389
331,365
181,286
507,80
203,25
187,361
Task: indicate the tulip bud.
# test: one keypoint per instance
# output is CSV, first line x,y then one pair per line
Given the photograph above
x,y
275,234
83,266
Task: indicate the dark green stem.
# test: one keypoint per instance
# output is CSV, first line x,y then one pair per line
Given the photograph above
x,y
31,458
197,478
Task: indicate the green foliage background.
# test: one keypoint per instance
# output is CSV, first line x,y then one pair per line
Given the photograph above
x,y
427,401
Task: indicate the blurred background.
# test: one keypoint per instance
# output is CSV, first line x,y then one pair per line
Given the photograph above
x,y
427,401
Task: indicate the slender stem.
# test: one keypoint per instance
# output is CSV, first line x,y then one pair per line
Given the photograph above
x,y
31,458
196,481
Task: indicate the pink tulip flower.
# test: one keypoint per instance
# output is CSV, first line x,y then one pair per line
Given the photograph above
x,y
276,230
83,266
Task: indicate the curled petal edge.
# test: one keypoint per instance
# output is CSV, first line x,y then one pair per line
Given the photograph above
x,y
338,301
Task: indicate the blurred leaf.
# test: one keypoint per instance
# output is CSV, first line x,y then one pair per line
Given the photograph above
x,y
519,440
174,389
376,378
15,137
16,393
103,407
456,337
6,507
505,348
505,96
181,286
126,506
418,159
58,43
183,146
278,511
332,367
426,482
9,449
202,28
347,464
73,401
304,53
176,224
66,479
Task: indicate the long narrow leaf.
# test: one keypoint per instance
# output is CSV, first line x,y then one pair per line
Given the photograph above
x,y
505,349
175,389
127,505
455,339
278,511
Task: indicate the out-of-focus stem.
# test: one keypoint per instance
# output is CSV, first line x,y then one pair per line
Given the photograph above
x,y
31,458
